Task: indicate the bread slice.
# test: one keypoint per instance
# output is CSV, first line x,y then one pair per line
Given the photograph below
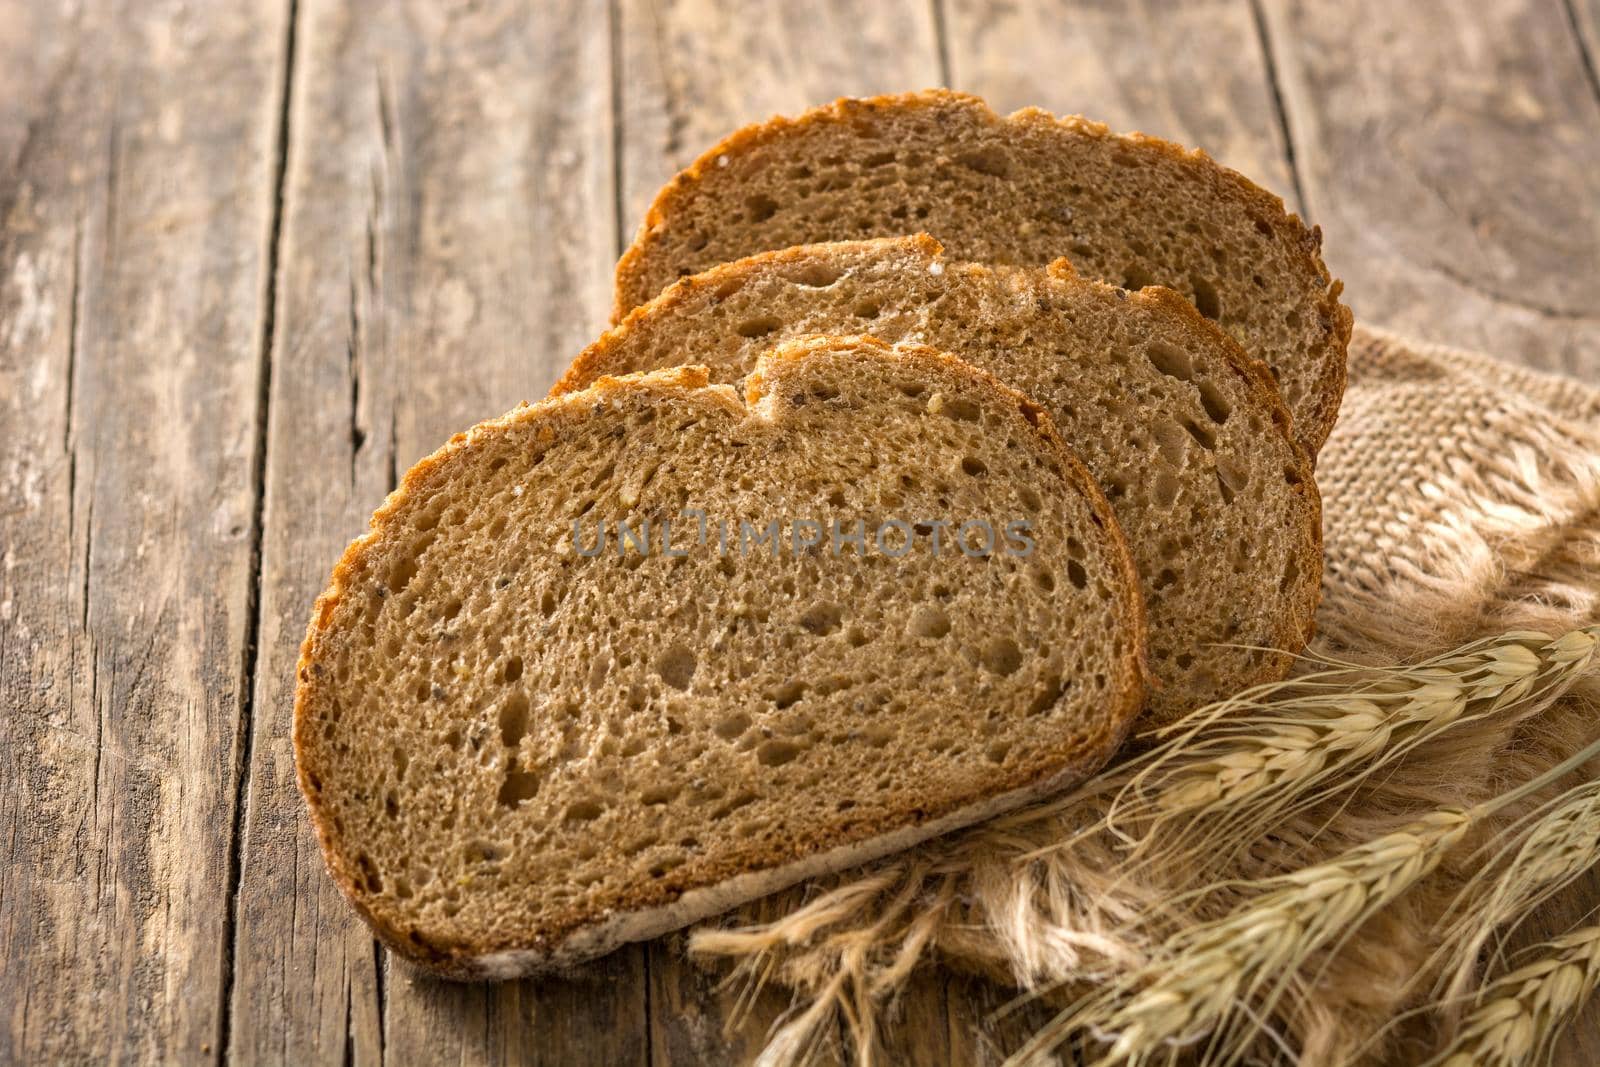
x,y
518,756
1185,434
1028,189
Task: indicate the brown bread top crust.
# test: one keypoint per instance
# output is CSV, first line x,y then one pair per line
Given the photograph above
x,y
1080,348
386,795
1141,211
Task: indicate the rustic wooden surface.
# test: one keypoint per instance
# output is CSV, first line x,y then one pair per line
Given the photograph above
x,y
256,258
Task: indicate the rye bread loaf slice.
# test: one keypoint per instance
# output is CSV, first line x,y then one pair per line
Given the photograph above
x,y
517,755
1027,189
1185,434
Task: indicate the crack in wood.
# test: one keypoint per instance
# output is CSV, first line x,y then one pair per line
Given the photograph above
x,y
394,452
941,41
1585,57
352,350
1275,90
381,990
243,737
619,231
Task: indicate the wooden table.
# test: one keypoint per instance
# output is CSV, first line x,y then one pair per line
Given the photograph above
x,y
255,258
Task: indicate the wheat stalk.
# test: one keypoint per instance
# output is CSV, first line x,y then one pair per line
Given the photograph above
x,y
1197,986
1216,981
1519,1015
1232,771
1562,842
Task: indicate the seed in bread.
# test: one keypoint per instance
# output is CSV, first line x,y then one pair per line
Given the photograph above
x,y
1184,433
518,754
1026,189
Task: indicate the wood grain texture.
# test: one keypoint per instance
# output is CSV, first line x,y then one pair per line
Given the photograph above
x,y
135,203
692,71
446,245
1455,169
1192,71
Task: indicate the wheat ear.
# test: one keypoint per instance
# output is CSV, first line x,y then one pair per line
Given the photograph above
x,y
1216,980
1519,1015
1197,985
1555,845
1232,771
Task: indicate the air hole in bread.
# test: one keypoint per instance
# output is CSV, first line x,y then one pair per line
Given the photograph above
x,y
993,161
485,852
1001,655
974,466
1171,439
659,794
401,573
1217,407
821,618
1048,696
1136,277
760,207
1233,473
1291,574
512,670
930,621
1206,300
777,752
1205,435
514,719
1170,360
758,327
518,787
818,275
787,695
960,409
676,665
997,751
730,727
878,159
369,873
1164,490
584,811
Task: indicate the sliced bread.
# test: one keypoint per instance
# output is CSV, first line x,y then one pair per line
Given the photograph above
x,y
518,755
1027,189
1185,434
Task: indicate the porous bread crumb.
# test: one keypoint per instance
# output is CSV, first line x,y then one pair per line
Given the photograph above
x,y
1184,434
1028,189
515,754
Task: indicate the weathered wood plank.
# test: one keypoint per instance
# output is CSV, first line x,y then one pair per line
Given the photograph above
x,y
1193,72
691,71
1455,169
447,243
135,203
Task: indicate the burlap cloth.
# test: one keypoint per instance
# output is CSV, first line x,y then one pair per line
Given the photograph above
x,y
1462,493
